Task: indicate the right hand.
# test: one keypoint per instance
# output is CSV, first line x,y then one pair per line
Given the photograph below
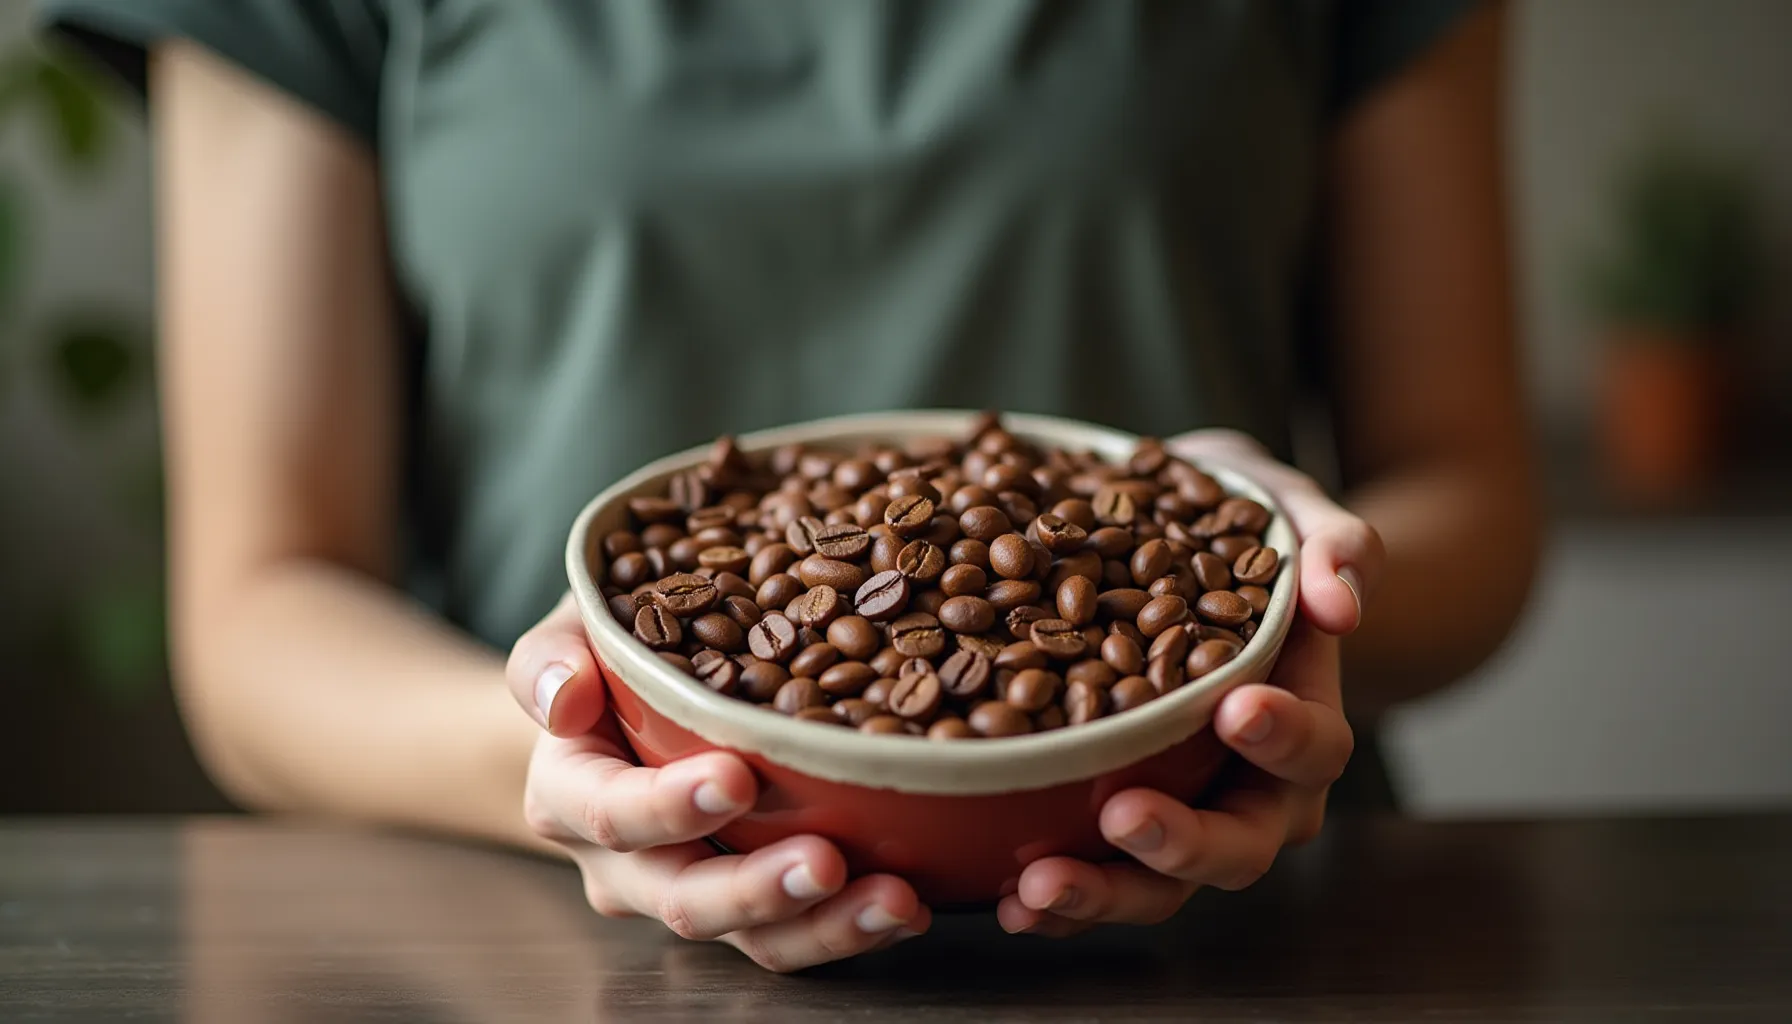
x,y
637,833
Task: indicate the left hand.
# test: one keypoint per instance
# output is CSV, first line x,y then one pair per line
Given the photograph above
x,y
1291,733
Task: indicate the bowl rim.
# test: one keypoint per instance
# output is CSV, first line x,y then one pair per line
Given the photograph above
x,y
908,763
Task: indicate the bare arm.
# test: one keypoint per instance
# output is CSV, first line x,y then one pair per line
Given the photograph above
x,y
1431,412
310,684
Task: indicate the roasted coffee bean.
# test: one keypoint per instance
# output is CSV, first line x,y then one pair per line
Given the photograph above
x,y
1093,635
630,570
1222,608
967,614
1125,603
868,511
1242,515
1160,614
797,693
1011,556
884,550
1230,546
622,609
743,611
778,590
1091,672
1031,689
1059,639
817,465
1172,643
658,565
1114,506
950,728
848,679
1151,560
1086,564
759,681
657,628
887,661
1122,627
1052,717
918,636
913,666
917,697
842,542
1129,693
1060,536
1077,600
1211,571
1148,457
809,636
730,584
1116,575
721,675
773,639
878,691
720,632
987,644
685,595
819,715
969,552
1042,562
1256,597
724,559
1111,541
820,571
1022,654
1208,655
960,580
800,535
1205,632
818,608
997,718
965,675
1164,674
908,515
985,523
719,536
943,532
1077,511
968,497
1164,585
620,543
1007,595
655,510
921,561
1257,566
855,711
814,659
1020,621
884,725
771,560
679,662
1084,703
883,597
855,637
1247,631
927,602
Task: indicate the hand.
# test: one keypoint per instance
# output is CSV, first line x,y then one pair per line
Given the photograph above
x,y
1291,733
637,833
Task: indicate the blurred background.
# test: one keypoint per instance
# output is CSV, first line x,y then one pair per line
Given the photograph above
x,y
1651,171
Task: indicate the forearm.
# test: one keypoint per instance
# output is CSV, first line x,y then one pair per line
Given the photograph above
x,y
312,688
1462,543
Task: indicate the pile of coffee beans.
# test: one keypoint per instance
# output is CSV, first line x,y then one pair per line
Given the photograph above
x,y
946,588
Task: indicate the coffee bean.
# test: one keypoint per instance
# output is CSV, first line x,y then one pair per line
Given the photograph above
x,y
630,570
1208,655
800,534
967,614
970,552
1011,556
1076,511
1111,541
1150,561
759,681
820,571
814,659
1007,595
778,590
1211,571
885,725
965,675
985,523
921,561
1125,603
730,584
855,711
950,728
1247,631
1114,507
819,715
1230,546
843,542
1020,621
721,675
1164,674
1084,703
1122,627
820,606
798,693
883,597
878,692
918,636
855,474
943,532
916,698
679,662
655,510
997,718
848,678
1256,597
908,515
1092,672
1052,717
1129,693
855,637
885,548
1031,689
913,666
620,543
1059,536
1021,654
718,537
961,580
1256,566
1222,608
657,628
1164,585
773,639
1116,575
1160,614
1077,600
622,609
724,559
1042,562
743,611
887,661
1172,643
720,632
927,602
1059,639
1242,515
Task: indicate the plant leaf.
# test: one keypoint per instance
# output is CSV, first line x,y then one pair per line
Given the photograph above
x,y
93,363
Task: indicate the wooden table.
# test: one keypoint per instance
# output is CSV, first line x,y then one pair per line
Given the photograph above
x,y
246,921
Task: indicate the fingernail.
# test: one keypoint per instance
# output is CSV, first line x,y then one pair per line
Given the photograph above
x,y
1065,899
547,687
905,934
710,799
1354,581
875,920
1257,728
1147,836
800,884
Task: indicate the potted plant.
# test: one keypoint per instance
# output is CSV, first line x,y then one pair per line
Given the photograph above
x,y
1669,295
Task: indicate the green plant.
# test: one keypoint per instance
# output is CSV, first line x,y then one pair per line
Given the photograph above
x,y
1681,255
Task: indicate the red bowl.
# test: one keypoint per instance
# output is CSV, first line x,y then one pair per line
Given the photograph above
x,y
957,820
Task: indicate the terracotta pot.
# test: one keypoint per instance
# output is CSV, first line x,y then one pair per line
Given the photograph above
x,y
1660,414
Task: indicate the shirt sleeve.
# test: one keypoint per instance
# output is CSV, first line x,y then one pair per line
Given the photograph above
x,y
327,54
1373,40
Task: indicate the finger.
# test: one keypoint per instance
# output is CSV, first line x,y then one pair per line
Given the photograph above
x,y
869,912
1105,893
1016,918
1227,847
717,895
553,675
1305,742
580,791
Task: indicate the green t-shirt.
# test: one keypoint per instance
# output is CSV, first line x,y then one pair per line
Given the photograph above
x,y
625,226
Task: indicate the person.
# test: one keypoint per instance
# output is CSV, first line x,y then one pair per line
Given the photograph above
x,y
432,274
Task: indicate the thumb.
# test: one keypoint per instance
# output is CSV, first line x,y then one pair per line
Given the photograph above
x,y
553,675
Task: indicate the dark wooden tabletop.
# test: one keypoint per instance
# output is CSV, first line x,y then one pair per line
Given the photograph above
x,y
244,921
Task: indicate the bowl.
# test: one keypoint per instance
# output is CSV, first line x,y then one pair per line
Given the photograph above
x,y
958,820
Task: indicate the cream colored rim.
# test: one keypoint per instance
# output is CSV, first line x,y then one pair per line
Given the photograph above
x,y
910,764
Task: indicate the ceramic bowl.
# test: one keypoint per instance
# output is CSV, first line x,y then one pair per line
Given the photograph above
x,y
958,820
